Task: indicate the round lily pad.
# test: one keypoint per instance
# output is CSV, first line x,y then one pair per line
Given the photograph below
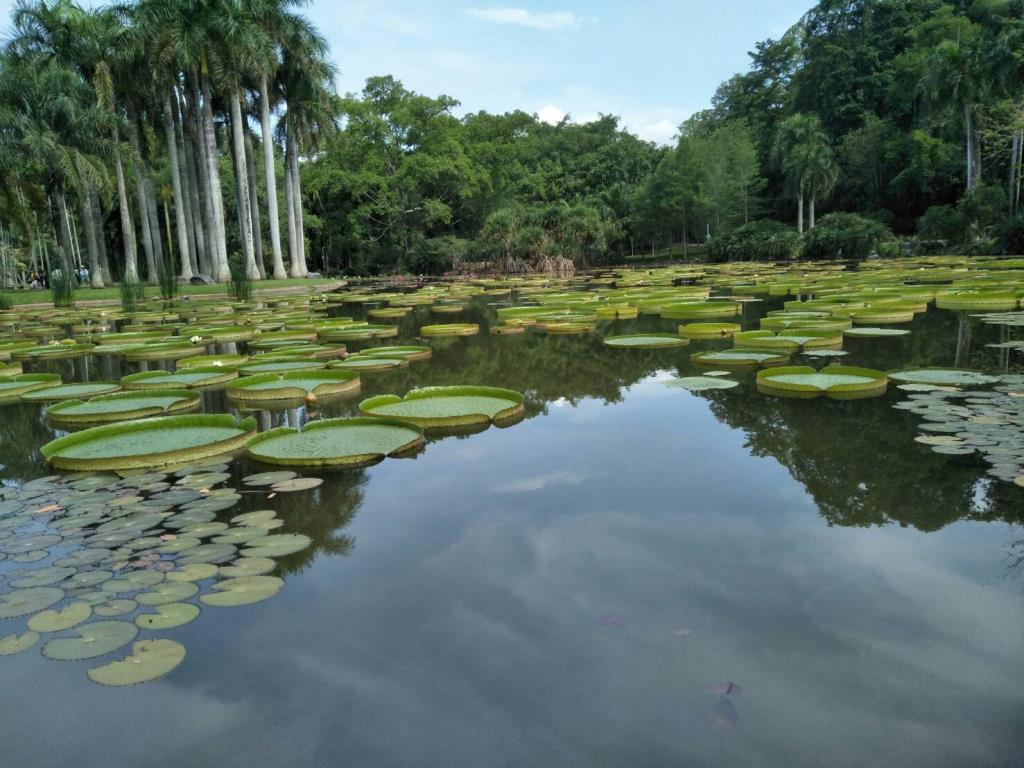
x,y
450,329
12,644
646,341
709,330
168,592
57,620
115,607
149,660
739,358
408,352
278,545
20,602
262,479
370,363
193,572
91,640
835,381
867,332
150,442
168,616
292,385
70,392
123,406
448,406
187,378
248,566
337,442
702,383
944,377
13,387
242,590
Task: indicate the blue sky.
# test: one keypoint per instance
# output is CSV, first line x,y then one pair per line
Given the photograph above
x,y
653,62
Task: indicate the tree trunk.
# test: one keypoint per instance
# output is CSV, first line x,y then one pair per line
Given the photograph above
x,y
254,206
154,215
299,265
221,273
270,171
179,195
142,200
131,263
290,210
969,129
63,229
811,206
101,236
85,213
800,211
203,181
686,235
242,187
191,177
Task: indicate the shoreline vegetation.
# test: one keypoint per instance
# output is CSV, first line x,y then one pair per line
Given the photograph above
x,y
161,138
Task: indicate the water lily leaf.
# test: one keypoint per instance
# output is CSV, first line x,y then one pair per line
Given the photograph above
x,y
115,607
91,640
835,381
208,553
701,383
335,442
278,545
12,644
298,484
248,566
43,577
243,590
20,602
448,406
646,341
943,376
168,592
168,616
149,660
261,518
241,535
266,478
193,572
57,620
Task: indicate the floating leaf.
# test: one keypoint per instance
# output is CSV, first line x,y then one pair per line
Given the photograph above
x,y
193,572
278,545
12,644
701,383
248,566
243,590
169,592
91,640
335,442
168,616
20,602
149,660
57,620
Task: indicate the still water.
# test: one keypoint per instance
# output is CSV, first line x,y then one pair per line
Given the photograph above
x,y
580,588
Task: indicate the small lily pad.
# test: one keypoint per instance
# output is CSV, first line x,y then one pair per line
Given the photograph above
x,y
243,590
58,620
12,644
168,616
149,660
278,545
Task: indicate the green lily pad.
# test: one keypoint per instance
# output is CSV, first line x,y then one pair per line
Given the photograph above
x,y
278,545
149,660
12,644
91,640
57,620
835,381
866,332
168,592
187,378
248,566
168,616
706,331
448,406
13,387
944,377
150,442
20,602
265,478
408,352
193,572
123,406
242,590
646,341
450,329
293,385
337,442
70,392
115,607
738,358
702,383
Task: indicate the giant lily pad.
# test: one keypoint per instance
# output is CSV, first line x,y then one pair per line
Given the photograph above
x,y
701,383
150,442
149,660
337,443
835,381
123,406
187,378
70,392
279,366
449,406
708,330
646,341
450,329
408,352
738,358
294,384
91,640
13,387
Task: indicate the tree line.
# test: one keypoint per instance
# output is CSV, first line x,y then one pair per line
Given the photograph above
x,y
195,134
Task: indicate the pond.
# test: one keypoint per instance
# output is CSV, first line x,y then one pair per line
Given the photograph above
x,y
630,574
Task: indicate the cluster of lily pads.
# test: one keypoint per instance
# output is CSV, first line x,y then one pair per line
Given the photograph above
x,y
106,565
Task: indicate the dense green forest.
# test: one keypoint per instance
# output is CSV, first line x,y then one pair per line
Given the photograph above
x,y
129,134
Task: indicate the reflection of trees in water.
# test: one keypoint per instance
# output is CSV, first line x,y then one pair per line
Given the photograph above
x,y
23,429
859,462
322,514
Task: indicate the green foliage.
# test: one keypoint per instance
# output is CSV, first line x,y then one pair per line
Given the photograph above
x,y
6,300
240,285
167,277
844,236
1010,236
757,241
437,255
133,294
62,288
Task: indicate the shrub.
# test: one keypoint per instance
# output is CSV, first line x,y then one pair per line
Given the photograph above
x,y
1010,236
757,241
62,288
942,223
437,255
240,287
133,293
6,300
844,236
167,277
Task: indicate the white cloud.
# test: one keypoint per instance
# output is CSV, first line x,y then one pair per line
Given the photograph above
x,y
551,115
547,22
539,482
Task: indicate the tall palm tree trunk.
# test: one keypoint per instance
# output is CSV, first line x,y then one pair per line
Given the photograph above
x,y
193,173
811,205
289,201
101,237
270,171
254,206
89,225
180,200
800,211
242,185
131,259
971,152
63,229
221,273
299,265
142,201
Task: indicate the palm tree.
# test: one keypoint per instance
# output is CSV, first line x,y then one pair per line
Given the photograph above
x,y
807,160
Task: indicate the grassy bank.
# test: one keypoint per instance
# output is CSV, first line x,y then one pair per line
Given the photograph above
x,y
112,293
